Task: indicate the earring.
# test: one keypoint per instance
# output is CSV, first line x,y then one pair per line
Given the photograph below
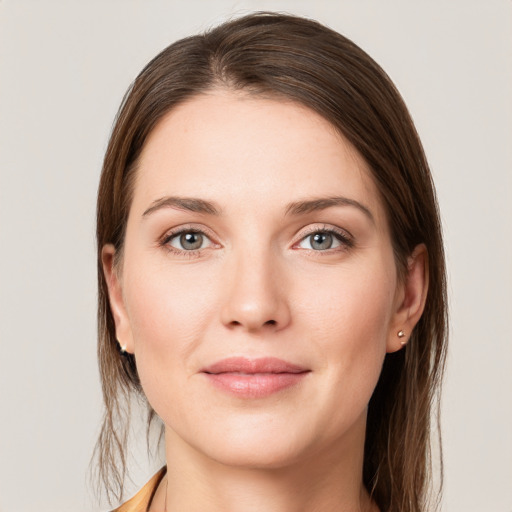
x,y
401,334
122,348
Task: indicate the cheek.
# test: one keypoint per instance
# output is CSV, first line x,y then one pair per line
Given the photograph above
x,y
167,304
168,316
351,306
348,320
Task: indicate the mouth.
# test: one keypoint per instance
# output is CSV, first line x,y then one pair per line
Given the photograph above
x,y
254,378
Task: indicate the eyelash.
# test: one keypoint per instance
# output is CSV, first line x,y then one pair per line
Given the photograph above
x,y
344,238
169,236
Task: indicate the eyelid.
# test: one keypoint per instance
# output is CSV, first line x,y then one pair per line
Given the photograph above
x,y
187,228
344,236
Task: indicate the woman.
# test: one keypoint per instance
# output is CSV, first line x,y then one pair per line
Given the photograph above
x,y
271,276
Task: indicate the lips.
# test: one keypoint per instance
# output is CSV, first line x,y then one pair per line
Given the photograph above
x,y
254,378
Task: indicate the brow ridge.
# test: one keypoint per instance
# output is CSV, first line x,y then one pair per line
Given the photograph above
x,y
191,204
295,208
322,203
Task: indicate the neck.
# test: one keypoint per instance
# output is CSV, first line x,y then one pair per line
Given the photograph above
x,y
323,481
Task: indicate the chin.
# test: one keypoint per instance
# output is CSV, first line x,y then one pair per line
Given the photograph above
x,y
256,442
255,454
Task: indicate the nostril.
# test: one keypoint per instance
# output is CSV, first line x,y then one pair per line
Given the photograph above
x,y
270,322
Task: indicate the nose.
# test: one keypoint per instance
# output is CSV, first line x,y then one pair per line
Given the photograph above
x,y
256,294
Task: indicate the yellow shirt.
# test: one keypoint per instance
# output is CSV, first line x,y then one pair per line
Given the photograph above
x,y
142,500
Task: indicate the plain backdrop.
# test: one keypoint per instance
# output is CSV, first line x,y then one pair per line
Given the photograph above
x,y
64,68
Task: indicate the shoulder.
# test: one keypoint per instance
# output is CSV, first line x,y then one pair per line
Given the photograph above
x,y
141,501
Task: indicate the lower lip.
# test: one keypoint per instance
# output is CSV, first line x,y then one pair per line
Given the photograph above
x,y
257,385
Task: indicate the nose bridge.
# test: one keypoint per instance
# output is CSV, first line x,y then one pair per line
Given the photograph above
x,y
256,295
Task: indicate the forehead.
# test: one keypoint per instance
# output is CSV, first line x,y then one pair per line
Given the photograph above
x,y
232,147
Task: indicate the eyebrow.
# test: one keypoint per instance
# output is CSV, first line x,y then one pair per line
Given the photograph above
x,y
193,204
313,205
190,204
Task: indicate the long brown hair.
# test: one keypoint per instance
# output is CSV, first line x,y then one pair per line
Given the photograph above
x,y
285,56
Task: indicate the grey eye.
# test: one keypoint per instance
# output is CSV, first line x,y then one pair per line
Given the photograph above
x,y
321,241
188,241
191,241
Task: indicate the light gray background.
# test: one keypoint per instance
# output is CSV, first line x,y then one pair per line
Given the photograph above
x,y
63,70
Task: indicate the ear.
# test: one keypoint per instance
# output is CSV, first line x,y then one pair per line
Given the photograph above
x,y
409,300
115,294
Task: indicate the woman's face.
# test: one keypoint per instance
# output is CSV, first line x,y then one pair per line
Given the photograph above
x,y
258,288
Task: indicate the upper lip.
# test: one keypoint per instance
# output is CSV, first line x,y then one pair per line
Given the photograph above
x,y
253,366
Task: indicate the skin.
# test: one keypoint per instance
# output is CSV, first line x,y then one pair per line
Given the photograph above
x,y
260,287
